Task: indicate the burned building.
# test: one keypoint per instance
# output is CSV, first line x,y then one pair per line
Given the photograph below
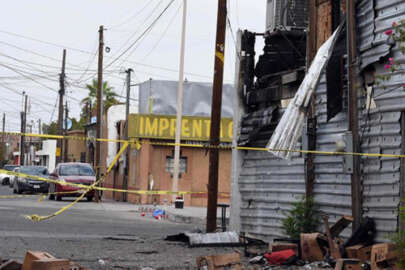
x,y
264,185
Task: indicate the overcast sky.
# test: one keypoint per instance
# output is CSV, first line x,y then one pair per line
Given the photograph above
x,y
34,33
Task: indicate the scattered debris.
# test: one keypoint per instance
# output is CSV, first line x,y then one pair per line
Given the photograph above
x,y
383,256
10,265
122,238
311,250
280,257
223,239
230,261
214,239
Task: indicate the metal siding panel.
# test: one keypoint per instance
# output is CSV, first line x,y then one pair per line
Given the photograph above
x,y
332,189
268,185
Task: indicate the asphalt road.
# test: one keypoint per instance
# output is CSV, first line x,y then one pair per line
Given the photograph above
x,y
93,233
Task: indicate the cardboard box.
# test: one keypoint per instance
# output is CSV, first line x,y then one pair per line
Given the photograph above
x,y
10,265
51,264
383,255
348,264
359,252
31,256
220,262
279,246
310,249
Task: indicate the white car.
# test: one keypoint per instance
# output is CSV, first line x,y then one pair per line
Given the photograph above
x,y
13,177
5,178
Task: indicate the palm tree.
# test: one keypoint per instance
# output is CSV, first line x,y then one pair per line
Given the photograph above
x,y
109,96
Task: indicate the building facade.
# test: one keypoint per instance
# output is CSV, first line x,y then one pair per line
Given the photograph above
x,y
264,186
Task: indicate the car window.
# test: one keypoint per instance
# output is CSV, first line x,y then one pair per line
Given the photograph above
x,y
10,167
76,170
34,170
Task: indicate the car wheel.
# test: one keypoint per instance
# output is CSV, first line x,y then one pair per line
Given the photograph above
x,y
89,198
6,181
58,198
51,197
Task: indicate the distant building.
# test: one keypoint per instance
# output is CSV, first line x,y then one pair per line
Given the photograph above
x,y
151,167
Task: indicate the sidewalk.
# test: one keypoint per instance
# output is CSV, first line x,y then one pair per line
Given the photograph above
x,y
188,215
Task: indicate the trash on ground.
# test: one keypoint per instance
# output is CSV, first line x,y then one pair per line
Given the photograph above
x,y
231,261
222,239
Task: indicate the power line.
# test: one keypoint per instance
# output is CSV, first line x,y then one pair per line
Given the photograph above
x,y
139,27
140,37
164,33
148,2
34,80
129,61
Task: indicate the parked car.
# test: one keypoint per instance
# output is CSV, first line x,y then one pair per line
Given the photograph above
x,y
5,178
13,177
73,172
22,184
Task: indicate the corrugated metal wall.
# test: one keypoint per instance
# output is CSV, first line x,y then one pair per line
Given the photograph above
x,y
381,127
332,188
268,185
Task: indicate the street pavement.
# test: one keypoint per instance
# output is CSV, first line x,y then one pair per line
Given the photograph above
x,y
108,235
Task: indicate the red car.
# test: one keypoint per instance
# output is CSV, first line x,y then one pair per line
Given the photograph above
x,y
72,172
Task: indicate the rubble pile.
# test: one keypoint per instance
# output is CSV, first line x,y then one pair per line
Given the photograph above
x,y
314,251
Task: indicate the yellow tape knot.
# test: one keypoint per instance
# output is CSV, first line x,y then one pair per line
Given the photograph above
x,y
33,217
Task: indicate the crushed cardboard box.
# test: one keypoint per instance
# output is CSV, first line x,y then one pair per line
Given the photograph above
x,y
229,261
310,249
359,252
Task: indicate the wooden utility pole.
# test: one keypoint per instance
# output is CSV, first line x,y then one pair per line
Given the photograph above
x,y
216,117
311,119
177,141
65,148
39,126
60,113
127,104
3,146
353,112
99,105
23,130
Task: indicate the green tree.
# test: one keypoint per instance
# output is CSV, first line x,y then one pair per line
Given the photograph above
x,y
399,240
51,129
304,217
109,96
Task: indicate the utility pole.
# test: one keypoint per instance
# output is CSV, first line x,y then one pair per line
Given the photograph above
x,y
39,126
65,148
127,103
23,130
99,105
3,148
60,114
179,106
353,112
216,117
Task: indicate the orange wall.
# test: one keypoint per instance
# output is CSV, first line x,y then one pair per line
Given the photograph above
x,y
150,163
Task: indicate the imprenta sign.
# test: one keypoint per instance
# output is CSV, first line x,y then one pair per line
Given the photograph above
x,y
164,127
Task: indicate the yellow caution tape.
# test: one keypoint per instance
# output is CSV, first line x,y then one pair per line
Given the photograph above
x,y
38,218
137,143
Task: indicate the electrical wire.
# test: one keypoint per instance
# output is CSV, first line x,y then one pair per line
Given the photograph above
x,y
163,34
148,2
141,36
129,61
150,15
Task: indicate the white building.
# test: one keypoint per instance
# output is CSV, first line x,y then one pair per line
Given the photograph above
x,y
47,155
